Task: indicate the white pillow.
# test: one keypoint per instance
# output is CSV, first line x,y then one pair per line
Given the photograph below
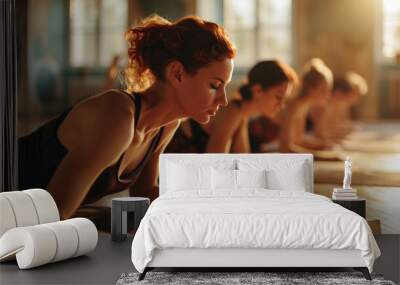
x,y
228,179
282,180
290,175
200,161
181,177
251,178
223,179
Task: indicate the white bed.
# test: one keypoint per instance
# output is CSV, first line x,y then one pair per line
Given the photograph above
x,y
194,225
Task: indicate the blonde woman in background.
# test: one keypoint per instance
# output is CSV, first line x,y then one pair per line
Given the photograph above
x,y
317,81
333,121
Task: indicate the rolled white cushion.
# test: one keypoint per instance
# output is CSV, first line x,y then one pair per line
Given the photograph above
x,y
45,205
23,208
7,218
66,238
40,244
33,246
87,235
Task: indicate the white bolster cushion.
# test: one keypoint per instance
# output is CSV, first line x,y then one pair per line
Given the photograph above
x,y
87,235
45,205
7,218
26,208
33,246
40,244
66,238
24,211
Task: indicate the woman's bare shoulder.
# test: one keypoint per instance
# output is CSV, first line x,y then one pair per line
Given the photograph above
x,y
106,115
292,109
112,106
117,101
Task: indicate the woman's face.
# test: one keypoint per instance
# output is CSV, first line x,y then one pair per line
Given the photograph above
x,y
270,101
200,95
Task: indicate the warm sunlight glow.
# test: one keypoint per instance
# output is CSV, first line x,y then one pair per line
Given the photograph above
x,y
260,28
391,28
93,26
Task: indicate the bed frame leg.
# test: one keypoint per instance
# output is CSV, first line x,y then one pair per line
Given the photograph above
x,y
143,274
364,271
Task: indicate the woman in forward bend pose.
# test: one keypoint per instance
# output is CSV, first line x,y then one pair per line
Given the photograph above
x,y
268,84
333,122
112,141
316,82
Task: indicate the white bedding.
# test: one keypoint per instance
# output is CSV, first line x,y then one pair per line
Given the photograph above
x,y
251,218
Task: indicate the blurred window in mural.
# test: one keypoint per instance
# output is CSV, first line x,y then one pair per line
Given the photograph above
x,y
260,28
97,30
240,21
391,29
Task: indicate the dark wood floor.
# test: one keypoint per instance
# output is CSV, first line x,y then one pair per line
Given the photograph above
x,y
102,266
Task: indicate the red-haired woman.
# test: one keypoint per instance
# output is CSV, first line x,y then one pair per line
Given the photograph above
x,y
112,141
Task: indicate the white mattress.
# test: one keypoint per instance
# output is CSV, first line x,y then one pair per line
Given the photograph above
x,y
252,218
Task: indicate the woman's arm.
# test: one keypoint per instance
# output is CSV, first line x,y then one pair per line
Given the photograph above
x,y
95,150
240,142
146,185
286,131
318,117
224,125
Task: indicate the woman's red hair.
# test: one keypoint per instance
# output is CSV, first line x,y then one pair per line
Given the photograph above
x,y
156,42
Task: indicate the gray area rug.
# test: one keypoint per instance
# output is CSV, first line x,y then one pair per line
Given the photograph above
x,y
229,278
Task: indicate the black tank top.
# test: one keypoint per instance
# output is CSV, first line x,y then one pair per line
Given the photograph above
x,y
41,152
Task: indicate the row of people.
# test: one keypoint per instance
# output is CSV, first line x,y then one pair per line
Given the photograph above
x,y
111,142
269,83
249,120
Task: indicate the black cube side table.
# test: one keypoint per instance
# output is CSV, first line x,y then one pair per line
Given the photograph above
x,y
119,219
357,205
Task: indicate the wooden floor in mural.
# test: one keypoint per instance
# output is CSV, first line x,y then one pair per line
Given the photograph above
x,y
375,151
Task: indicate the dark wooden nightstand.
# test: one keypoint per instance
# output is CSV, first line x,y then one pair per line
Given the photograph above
x,y
357,206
